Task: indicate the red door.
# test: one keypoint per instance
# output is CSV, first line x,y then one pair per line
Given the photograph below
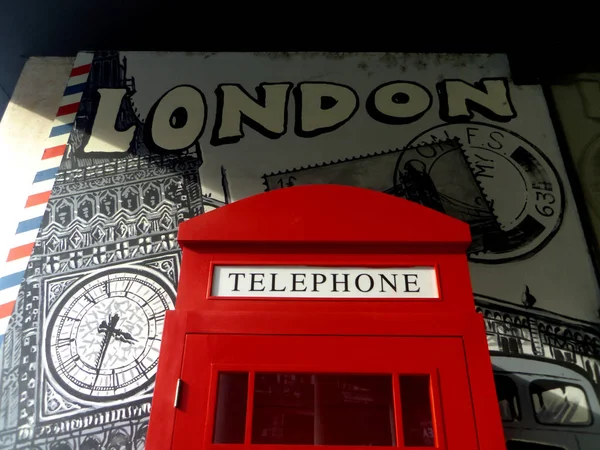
x,y
300,391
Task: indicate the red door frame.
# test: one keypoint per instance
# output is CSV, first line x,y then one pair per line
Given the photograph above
x,y
250,351
468,328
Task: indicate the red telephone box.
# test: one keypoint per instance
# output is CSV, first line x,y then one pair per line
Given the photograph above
x,y
324,315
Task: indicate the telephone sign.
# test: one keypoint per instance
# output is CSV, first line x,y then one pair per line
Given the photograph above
x,y
324,282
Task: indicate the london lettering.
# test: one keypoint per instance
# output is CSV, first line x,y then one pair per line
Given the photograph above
x,y
177,120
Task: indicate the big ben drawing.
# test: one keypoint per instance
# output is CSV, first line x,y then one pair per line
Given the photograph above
x,y
83,349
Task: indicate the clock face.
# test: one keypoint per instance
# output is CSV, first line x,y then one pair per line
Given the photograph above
x,y
103,339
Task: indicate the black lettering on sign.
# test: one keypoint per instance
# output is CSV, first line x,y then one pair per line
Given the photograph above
x,y
296,281
336,282
317,281
383,278
267,114
236,280
254,280
410,282
369,283
273,288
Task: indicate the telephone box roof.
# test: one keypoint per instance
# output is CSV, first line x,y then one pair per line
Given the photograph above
x,y
326,214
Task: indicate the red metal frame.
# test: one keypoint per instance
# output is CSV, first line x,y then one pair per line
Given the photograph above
x,y
453,283
252,368
320,226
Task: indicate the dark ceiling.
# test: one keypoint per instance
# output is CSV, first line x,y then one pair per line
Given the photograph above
x,y
537,52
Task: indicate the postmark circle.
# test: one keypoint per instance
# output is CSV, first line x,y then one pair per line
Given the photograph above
x,y
506,183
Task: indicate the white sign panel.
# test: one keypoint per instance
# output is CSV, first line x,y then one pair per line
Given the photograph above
x,y
324,282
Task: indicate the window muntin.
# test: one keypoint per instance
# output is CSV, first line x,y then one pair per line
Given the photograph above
x,y
323,409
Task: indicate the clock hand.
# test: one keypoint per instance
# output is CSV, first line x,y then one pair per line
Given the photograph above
x,y
108,329
124,337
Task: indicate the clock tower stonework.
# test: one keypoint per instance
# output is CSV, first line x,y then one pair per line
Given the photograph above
x,y
80,354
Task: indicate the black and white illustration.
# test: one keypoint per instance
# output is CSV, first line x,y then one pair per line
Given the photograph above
x,y
80,357
547,372
103,336
588,169
461,170
581,114
435,175
499,157
162,137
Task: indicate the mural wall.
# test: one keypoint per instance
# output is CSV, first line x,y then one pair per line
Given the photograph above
x,y
578,106
159,138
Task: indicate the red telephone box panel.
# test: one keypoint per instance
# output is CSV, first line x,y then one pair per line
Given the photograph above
x,y
325,390
303,321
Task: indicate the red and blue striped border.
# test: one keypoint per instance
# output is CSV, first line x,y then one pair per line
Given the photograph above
x,y
13,271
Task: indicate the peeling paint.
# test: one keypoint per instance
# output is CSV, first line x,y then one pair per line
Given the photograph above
x,y
403,62
371,62
191,54
321,76
392,58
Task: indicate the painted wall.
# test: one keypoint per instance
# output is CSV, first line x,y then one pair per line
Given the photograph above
x,y
159,138
578,107
24,132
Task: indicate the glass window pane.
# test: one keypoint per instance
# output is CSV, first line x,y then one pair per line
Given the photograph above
x,y
508,398
323,409
559,403
230,412
417,422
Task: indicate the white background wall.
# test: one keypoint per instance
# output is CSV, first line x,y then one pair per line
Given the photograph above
x,y
23,133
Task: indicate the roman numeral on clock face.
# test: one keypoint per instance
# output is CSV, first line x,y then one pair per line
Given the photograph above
x,y
64,342
141,368
69,364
